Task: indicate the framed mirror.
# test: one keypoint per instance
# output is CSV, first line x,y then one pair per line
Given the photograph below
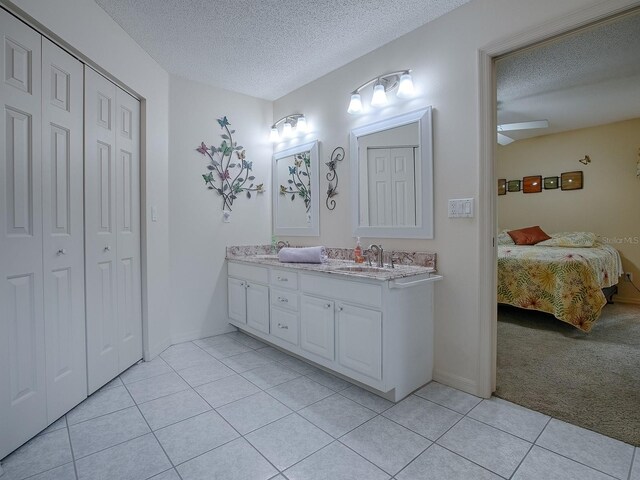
x,y
392,177
295,191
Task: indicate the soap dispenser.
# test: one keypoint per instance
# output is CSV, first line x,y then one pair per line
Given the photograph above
x,y
357,253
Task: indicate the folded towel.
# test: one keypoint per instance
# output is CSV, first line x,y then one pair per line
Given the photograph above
x,y
303,255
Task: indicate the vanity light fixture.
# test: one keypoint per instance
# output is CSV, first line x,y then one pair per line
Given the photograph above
x,y
291,124
381,85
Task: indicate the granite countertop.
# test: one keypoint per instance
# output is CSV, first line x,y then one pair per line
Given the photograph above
x,y
334,266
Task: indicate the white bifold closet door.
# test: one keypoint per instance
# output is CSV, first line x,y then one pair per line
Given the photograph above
x,y
42,324
112,229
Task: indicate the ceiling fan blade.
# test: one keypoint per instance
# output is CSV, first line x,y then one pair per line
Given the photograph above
x,y
506,127
504,140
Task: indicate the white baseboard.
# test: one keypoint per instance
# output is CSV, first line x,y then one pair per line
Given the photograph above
x,y
201,333
628,300
456,381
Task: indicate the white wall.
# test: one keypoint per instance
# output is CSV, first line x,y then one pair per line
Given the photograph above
x,y
444,57
197,235
95,37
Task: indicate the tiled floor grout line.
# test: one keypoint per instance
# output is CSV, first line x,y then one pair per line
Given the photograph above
x,y
578,461
225,420
633,459
377,466
99,416
417,456
73,456
533,444
154,435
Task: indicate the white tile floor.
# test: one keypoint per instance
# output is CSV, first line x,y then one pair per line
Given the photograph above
x,y
231,408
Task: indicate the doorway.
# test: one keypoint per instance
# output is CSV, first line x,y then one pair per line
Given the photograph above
x,y
489,344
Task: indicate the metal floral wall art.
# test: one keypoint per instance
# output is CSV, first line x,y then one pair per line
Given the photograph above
x,y
228,175
336,156
300,182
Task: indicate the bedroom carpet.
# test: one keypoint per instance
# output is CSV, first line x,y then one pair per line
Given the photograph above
x,y
591,380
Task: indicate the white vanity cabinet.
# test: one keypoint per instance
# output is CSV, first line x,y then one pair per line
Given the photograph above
x,y
359,334
248,299
378,333
317,327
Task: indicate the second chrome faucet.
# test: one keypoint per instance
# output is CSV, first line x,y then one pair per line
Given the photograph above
x,y
379,253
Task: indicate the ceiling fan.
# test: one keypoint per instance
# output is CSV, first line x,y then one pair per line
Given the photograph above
x,y
508,127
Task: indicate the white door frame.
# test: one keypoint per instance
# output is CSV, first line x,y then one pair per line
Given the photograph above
x,y
487,179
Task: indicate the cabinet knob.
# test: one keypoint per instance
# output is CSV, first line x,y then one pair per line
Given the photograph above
x,y
62,251
328,305
284,327
248,285
340,308
107,248
283,300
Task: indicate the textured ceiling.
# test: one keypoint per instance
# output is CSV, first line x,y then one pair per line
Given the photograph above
x,y
588,78
266,48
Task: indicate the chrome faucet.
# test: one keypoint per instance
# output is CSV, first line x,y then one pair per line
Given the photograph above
x,y
379,253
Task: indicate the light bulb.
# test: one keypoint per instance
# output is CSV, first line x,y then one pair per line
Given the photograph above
x,y
355,105
302,125
405,89
287,129
379,98
274,136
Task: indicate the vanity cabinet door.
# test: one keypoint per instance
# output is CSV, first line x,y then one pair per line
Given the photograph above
x,y
317,326
360,339
237,297
258,306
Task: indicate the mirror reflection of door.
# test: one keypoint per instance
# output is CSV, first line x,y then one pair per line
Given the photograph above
x,y
391,186
389,183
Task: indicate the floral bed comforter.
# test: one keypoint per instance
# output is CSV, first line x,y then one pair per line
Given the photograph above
x,y
566,282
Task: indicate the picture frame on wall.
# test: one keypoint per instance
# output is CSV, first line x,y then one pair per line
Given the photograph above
x,y
532,184
551,183
502,186
513,185
571,180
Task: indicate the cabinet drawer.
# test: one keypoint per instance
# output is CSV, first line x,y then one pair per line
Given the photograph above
x,y
284,325
284,299
331,287
248,272
284,279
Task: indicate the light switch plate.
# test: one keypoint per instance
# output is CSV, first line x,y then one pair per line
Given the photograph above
x,y
154,214
460,208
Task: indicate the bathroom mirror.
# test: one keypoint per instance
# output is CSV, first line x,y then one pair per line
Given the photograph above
x,y
295,191
392,177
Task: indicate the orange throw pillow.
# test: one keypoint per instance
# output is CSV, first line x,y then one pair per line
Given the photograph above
x,y
528,236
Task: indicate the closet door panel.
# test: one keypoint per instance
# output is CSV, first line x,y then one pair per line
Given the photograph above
x,y
22,359
100,230
128,229
63,229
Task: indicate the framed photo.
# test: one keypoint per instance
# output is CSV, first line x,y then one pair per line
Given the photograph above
x,y
513,185
532,184
571,180
551,183
502,186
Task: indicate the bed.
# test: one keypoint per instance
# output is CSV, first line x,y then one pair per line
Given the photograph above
x,y
567,282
